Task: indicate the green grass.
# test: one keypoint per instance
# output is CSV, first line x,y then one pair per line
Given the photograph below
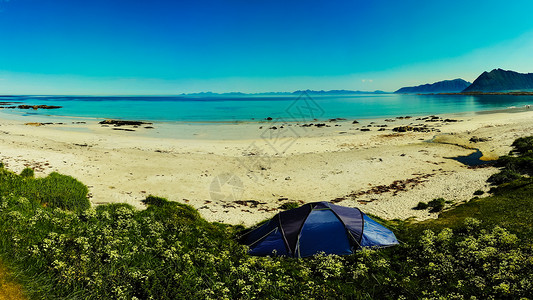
x,y
58,247
511,207
55,190
435,205
27,172
290,205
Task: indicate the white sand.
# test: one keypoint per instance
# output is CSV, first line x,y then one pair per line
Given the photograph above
x,y
305,164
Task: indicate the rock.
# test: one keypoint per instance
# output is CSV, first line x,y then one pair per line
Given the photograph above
x,y
268,119
402,129
475,139
123,123
38,106
125,129
355,122
365,129
336,119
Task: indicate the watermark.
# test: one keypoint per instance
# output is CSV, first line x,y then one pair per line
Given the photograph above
x,y
304,109
277,138
280,134
226,187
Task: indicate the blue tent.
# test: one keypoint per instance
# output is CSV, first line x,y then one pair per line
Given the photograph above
x,y
317,227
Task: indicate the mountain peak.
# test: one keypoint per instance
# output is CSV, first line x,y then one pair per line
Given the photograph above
x,y
445,86
499,80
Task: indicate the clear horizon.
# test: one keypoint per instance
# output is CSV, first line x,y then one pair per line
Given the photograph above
x,y
168,48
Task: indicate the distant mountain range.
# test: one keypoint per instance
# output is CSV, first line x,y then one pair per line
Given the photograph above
x,y
338,92
446,86
495,81
499,80
310,92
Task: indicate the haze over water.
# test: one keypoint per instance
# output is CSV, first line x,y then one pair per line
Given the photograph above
x,y
224,108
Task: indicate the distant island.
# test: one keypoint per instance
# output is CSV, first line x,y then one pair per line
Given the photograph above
x,y
501,81
310,92
446,86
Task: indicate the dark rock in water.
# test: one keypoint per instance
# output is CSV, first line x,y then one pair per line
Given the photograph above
x,y
336,119
268,119
320,125
123,123
38,107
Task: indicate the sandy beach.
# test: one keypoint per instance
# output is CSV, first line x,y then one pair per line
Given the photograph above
x,y
242,173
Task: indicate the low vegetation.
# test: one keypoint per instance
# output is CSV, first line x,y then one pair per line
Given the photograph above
x,y
61,248
435,205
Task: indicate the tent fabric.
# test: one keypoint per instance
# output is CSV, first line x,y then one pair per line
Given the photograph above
x,y
322,231
352,219
376,235
317,227
291,222
272,243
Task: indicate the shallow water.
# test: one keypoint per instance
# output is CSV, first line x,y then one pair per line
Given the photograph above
x,y
300,108
472,160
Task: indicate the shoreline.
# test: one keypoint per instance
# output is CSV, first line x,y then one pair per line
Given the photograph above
x,y
246,176
168,129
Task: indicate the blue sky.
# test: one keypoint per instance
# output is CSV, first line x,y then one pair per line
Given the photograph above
x,y
170,47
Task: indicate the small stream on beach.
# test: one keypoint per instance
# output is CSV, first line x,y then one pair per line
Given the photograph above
x,y
472,160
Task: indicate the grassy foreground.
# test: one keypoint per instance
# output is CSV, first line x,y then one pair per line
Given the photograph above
x,y
61,248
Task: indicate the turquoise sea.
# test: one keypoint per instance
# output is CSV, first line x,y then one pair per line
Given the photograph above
x,y
222,108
